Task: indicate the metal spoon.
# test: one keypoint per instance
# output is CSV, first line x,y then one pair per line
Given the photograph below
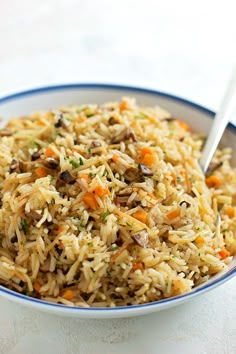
x,y
225,114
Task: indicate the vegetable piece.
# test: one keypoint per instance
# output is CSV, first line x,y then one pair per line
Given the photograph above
x,y
37,286
141,238
66,177
61,123
183,125
200,241
86,177
100,191
68,294
173,214
213,181
60,229
95,144
230,212
145,170
137,266
141,215
90,200
115,158
81,162
51,163
123,106
224,253
118,253
49,152
145,151
23,225
125,134
148,160
74,163
112,121
36,155
41,172
105,215
14,165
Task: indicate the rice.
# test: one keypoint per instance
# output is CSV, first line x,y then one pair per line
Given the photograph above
x,y
107,205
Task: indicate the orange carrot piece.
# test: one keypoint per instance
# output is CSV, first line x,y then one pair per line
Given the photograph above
x,y
49,152
152,196
115,158
230,212
123,106
60,229
41,123
145,151
100,191
224,253
148,160
183,125
138,265
82,119
41,172
213,181
85,176
118,253
200,241
68,294
141,216
173,214
37,286
90,200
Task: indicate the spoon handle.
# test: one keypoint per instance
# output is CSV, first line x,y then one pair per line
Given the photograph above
x,y
225,114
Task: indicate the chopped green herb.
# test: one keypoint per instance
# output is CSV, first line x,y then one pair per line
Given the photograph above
x,y
81,109
197,228
105,215
138,117
89,115
68,119
81,162
23,225
59,134
89,150
178,179
21,243
33,145
74,163
90,244
52,179
104,173
115,248
128,224
90,174
224,230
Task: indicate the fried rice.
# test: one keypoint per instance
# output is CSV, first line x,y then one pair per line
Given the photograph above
x,y
106,205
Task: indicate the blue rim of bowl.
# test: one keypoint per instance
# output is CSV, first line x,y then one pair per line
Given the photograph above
x,y
199,290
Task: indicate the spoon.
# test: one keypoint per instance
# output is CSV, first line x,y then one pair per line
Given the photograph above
x,y
223,116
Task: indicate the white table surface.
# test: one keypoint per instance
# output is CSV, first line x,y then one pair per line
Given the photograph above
x,y
183,47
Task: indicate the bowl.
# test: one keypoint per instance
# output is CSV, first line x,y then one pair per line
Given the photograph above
x,y
199,118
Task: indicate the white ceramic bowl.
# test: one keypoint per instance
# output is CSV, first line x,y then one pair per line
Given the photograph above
x,y
199,118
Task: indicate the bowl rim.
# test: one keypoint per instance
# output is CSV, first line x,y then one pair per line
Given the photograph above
x,y
119,309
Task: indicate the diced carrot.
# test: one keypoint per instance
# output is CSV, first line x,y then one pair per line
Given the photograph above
x,y
183,125
145,151
49,152
148,160
37,286
230,212
90,200
173,214
115,158
82,119
213,181
68,294
60,229
118,253
200,241
140,215
40,122
152,196
85,176
224,253
100,191
152,120
138,265
41,172
123,106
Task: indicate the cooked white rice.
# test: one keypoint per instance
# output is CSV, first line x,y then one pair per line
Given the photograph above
x,y
107,205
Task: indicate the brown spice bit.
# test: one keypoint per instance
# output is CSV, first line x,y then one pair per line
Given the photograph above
x,y
113,121
36,155
61,123
169,119
34,215
188,205
95,144
50,162
141,238
14,166
145,170
125,134
66,177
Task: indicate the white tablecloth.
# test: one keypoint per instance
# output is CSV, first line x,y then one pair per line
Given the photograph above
x,y
183,47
